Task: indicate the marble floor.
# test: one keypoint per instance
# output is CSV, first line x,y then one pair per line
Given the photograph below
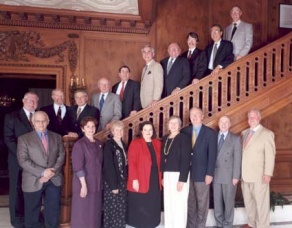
x,y
4,221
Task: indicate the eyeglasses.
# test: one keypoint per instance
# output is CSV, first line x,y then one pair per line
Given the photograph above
x,y
31,100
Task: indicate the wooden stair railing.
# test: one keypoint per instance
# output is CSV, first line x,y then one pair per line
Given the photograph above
x,y
262,80
227,93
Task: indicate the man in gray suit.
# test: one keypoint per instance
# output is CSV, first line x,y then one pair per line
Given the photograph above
x,y
108,103
41,155
226,174
239,33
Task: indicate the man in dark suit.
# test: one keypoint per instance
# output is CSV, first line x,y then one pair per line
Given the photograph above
x,y
108,103
226,174
41,155
129,92
204,140
197,58
81,110
60,118
220,53
16,124
176,71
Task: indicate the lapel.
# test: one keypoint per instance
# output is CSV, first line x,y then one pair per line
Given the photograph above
x,y
127,88
225,144
255,136
221,47
25,121
174,64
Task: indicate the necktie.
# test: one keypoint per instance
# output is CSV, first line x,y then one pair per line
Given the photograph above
x,y
78,113
169,65
233,30
45,142
221,141
30,118
214,53
146,67
248,137
189,54
101,102
122,91
194,138
59,115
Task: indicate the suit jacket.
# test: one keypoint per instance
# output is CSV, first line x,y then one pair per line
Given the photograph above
x,y
224,55
139,160
151,83
88,110
198,63
32,158
204,153
115,169
112,109
258,157
228,163
66,125
178,76
131,100
177,157
242,39
15,125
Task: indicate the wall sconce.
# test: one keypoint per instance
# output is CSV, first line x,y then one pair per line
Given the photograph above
x,y
76,83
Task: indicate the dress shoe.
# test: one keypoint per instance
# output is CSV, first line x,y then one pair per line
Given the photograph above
x,y
246,226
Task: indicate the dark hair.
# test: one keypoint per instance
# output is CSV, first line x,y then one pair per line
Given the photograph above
x,y
124,66
219,26
87,119
141,126
193,35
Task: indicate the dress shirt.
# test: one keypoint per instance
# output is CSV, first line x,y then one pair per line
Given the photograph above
x,y
192,50
197,129
81,107
210,66
63,109
236,22
27,113
104,96
40,135
120,87
224,133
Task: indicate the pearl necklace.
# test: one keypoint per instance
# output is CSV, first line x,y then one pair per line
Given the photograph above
x,y
166,152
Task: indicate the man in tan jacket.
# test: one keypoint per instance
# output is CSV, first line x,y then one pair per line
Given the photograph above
x,y
258,160
151,79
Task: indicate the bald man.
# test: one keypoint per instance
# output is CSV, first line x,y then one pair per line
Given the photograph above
x,y
108,103
41,155
226,174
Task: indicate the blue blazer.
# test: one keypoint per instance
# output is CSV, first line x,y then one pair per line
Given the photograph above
x,y
204,153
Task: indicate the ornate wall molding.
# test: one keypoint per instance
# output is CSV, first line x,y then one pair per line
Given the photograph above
x,y
76,20
18,45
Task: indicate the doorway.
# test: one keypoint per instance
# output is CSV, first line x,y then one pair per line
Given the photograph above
x,y
13,86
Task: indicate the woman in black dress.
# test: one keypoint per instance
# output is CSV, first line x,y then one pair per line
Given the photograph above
x,y
144,181
115,177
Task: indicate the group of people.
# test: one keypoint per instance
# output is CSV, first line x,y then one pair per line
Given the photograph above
x,y
114,185
126,183
173,73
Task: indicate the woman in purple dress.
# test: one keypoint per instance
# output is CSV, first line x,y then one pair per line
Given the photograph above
x,y
87,159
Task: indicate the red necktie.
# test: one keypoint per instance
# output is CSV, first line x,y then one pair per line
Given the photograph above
x,y
122,91
189,54
248,137
45,142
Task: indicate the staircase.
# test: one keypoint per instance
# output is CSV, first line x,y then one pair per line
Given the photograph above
x,y
261,80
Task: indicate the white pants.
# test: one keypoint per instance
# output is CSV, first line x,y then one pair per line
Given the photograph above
x,y
175,202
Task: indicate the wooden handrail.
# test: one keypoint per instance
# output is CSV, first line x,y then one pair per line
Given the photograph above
x,y
243,79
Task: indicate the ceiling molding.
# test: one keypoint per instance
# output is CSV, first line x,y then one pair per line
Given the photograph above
x,y
80,20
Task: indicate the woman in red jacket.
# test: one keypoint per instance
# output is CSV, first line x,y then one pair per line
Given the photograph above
x,y
144,180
